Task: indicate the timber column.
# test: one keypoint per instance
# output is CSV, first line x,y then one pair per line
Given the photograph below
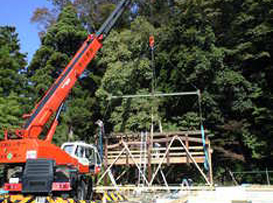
x,y
106,160
149,143
209,151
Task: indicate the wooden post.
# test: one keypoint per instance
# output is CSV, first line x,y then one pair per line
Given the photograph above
x,y
187,146
168,154
127,157
149,159
267,177
106,160
122,140
210,163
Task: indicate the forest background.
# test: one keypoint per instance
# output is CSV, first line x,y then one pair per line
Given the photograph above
x,y
221,47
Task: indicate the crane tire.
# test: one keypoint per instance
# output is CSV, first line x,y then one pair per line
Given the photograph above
x,y
81,190
90,191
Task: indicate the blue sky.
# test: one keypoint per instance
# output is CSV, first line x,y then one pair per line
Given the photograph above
x,y
18,13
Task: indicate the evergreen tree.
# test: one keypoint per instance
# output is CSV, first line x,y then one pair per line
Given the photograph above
x,y
59,45
244,28
191,58
12,62
13,83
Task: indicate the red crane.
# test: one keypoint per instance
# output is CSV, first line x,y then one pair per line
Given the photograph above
x,y
24,152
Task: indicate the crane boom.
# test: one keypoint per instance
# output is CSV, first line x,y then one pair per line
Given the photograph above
x,y
56,95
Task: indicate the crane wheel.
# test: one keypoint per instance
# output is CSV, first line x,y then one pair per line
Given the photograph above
x,y
90,191
81,190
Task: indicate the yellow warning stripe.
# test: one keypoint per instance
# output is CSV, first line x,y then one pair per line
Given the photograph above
x,y
27,200
70,200
31,199
19,199
59,200
120,197
114,198
107,197
14,198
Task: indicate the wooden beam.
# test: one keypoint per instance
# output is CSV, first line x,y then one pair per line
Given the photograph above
x,y
191,139
156,134
159,155
173,160
192,148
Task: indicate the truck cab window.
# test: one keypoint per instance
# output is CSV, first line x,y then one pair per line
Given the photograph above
x,y
80,152
90,155
69,149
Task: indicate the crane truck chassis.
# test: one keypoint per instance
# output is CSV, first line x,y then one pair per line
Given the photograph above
x,y
36,166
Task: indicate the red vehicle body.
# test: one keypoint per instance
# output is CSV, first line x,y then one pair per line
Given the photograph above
x,y
28,156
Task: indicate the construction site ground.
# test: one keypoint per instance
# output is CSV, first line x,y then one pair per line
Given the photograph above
x,y
233,194
159,194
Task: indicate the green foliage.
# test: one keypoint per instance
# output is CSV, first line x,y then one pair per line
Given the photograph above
x,y
128,72
222,47
13,83
247,29
12,62
59,45
10,113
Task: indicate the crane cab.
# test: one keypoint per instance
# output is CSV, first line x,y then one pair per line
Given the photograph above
x,y
86,154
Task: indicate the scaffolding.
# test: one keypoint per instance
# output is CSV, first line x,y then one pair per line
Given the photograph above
x,y
166,149
143,160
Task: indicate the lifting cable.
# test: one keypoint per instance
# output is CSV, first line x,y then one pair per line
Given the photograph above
x,y
152,46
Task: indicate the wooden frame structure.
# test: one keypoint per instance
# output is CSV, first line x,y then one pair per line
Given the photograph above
x,y
183,147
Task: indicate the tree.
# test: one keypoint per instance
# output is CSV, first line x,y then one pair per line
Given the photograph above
x,y
128,72
59,45
13,82
190,58
12,62
222,47
44,18
244,28
92,14
11,113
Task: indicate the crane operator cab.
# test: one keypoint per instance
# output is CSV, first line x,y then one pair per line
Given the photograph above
x,y
86,154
